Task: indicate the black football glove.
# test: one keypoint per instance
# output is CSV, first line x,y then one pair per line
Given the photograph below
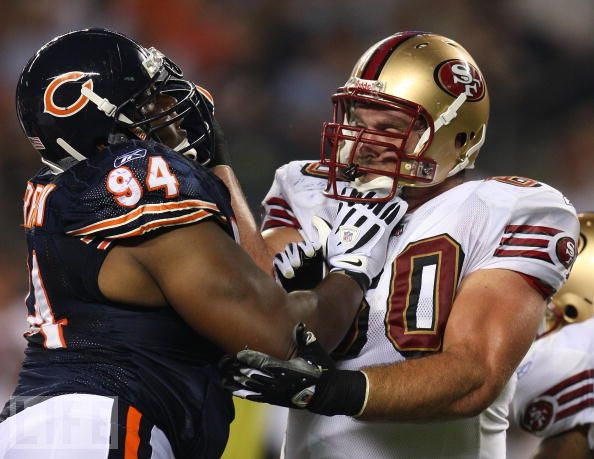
x,y
307,381
300,266
220,154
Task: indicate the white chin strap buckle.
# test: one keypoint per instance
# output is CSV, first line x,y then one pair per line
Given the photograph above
x,y
442,120
380,184
103,105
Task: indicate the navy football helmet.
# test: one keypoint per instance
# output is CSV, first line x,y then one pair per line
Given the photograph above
x,y
88,88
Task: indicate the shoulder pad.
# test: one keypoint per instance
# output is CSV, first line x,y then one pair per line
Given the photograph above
x,y
137,187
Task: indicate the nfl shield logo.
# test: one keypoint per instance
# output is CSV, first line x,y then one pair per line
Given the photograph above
x,y
348,234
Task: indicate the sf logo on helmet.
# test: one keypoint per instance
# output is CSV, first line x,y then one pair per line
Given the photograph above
x,y
49,104
457,77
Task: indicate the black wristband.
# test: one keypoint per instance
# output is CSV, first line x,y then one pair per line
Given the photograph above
x,y
220,155
339,392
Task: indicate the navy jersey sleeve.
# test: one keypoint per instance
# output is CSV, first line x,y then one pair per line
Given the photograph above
x,y
138,187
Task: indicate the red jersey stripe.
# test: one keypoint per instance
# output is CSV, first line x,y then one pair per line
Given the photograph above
x,y
278,202
523,254
579,377
518,241
529,229
577,393
574,409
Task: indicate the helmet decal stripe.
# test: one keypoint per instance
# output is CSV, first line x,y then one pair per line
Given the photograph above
x,y
206,93
380,55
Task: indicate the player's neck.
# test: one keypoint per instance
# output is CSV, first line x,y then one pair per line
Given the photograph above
x,y
416,197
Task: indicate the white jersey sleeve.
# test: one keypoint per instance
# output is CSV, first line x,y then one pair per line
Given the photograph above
x,y
555,388
275,209
531,228
296,195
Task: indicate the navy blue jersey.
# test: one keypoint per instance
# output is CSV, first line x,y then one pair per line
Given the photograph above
x,y
81,342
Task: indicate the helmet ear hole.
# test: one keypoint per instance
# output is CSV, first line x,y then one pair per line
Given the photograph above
x,y
570,313
461,139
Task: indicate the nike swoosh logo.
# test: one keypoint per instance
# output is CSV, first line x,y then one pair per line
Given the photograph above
x,y
357,263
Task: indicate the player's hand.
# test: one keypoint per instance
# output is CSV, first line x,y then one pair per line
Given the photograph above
x,y
307,381
220,154
357,240
300,266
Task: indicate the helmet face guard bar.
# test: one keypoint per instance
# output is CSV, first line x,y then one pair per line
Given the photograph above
x,y
341,141
185,93
196,115
190,104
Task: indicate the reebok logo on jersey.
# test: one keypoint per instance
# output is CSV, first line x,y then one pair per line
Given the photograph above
x,y
130,156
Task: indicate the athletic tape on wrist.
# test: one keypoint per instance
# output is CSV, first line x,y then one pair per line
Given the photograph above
x,y
366,395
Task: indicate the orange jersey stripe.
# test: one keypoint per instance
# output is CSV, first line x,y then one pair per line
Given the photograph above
x,y
136,213
103,245
184,219
132,441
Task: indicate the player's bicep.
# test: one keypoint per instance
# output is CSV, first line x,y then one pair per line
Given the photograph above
x,y
216,288
493,321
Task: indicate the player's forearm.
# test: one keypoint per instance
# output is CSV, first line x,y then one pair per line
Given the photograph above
x,y
573,444
442,386
330,308
250,238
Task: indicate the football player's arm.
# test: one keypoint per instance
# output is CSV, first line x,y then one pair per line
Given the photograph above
x,y
250,238
277,238
216,288
493,321
573,444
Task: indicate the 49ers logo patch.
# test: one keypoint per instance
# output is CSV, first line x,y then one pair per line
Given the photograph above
x,y
539,414
49,96
457,77
566,251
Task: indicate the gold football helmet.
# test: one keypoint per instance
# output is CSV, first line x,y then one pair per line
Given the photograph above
x,y
437,84
574,302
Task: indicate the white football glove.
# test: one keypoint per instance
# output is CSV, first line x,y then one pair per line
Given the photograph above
x,y
357,240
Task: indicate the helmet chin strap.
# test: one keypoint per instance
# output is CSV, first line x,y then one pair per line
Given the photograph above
x,y
191,153
103,105
442,120
465,162
109,109
445,118
381,184
54,168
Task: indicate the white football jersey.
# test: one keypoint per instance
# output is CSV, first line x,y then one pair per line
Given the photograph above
x,y
505,222
555,387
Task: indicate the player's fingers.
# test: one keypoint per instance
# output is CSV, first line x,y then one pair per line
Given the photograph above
x,y
282,266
